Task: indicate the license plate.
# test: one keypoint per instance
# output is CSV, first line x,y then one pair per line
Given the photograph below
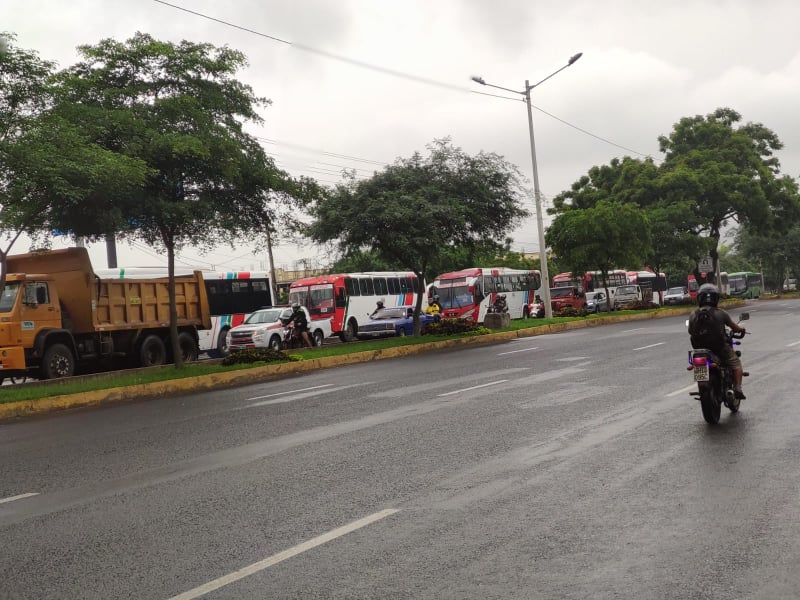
x,y
701,373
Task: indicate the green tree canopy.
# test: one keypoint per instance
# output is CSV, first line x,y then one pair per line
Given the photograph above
x,y
417,210
600,237
179,109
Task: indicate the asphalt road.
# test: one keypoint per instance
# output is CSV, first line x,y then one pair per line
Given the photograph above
x,y
572,465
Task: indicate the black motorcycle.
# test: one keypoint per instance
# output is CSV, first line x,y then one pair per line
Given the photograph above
x,y
715,381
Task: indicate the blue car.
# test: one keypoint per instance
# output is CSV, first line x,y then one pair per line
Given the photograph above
x,y
388,322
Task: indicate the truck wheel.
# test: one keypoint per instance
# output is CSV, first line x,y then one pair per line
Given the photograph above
x,y
275,342
188,347
57,362
152,351
318,338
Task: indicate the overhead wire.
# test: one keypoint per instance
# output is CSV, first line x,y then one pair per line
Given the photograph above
x,y
387,71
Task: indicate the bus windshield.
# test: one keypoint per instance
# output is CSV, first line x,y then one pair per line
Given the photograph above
x,y
456,296
9,296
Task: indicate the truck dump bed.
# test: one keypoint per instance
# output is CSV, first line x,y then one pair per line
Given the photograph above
x,y
95,304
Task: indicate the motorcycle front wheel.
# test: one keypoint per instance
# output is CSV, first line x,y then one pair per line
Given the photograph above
x,y
710,404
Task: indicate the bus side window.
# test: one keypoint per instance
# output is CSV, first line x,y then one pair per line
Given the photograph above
x,y
381,289
366,287
393,284
351,285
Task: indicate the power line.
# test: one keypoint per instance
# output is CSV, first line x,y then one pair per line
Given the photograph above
x,y
393,72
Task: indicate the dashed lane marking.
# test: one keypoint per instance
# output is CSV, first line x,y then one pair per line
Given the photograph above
x,y
18,497
281,556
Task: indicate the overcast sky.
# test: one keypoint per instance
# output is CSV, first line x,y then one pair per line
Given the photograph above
x,y
358,83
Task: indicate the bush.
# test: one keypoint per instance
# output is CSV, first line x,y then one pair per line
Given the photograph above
x,y
569,311
254,355
639,305
455,327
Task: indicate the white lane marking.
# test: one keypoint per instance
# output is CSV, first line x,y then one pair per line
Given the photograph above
x,y
316,387
515,351
475,387
571,358
650,346
792,344
309,393
688,388
634,329
19,497
281,556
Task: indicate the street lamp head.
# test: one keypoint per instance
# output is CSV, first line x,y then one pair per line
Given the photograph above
x,y
574,58
477,79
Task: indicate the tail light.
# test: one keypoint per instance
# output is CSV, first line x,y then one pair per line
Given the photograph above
x,y
699,360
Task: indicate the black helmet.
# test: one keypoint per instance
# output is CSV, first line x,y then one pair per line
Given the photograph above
x,y
708,295
295,305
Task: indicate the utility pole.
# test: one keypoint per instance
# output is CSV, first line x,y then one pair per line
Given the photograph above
x,y
273,285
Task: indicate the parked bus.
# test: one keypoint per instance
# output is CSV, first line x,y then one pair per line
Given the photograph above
x,y
723,287
232,296
349,298
592,281
745,284
652,284
467,294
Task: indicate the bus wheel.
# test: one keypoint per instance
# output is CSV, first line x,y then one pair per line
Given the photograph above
x,y
152,351
351,331
221,350
188,347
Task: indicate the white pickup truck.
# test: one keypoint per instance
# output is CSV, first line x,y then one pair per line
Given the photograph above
x,y
266,328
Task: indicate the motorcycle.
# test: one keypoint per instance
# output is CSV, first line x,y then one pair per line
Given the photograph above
x,y
715,381
292,339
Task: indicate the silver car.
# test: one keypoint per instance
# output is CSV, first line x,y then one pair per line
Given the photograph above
x,y
596,302
677,295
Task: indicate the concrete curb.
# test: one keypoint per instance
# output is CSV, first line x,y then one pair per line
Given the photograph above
x,y
28,408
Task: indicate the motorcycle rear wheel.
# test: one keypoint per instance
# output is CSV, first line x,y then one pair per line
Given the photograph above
x,y
711,405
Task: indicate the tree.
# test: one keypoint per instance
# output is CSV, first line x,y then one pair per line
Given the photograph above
x,y
726,173
417,210
600,238
180,110
23,85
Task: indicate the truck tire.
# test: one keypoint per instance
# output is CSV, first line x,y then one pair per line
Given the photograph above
x,y
275,342
57,362
188,347
318,338
152,351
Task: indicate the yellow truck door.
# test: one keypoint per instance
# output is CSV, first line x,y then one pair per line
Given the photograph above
x,y
39,310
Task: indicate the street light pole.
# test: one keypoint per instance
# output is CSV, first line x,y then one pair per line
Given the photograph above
x,y
548,309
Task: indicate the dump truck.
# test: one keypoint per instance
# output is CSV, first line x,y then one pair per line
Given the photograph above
x,y
57,317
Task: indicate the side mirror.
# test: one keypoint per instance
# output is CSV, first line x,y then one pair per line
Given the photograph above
x,y
744,316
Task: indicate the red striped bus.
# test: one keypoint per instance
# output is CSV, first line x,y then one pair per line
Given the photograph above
x,y
467,294
349,298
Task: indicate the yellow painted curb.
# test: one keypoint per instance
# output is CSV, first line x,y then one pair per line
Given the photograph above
x,y
27,408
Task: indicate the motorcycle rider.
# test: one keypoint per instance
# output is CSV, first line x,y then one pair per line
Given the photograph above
x,y
708,299
378,306
500,305
434,309
300,322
